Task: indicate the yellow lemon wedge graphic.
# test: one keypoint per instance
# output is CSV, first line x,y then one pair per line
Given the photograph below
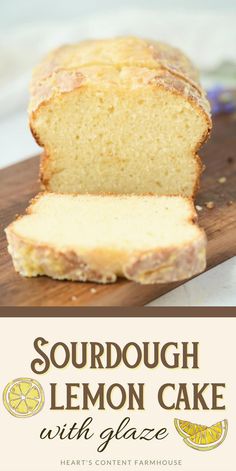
x,y
23,397
210,438
185,428
201,437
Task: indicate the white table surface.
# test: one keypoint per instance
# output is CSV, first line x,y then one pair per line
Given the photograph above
x,y
216,287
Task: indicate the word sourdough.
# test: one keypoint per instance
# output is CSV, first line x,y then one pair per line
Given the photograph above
x,y
110,355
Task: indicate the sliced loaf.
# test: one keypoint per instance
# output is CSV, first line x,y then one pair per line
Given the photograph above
x,y
146,238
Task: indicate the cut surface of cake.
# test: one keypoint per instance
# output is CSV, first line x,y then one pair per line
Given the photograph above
x,y
149,239
123,115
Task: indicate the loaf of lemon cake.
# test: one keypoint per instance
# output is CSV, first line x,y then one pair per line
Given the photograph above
x,y
123,115
149,238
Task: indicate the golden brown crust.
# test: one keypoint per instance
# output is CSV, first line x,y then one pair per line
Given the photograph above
x,y
169,265
200,170
32,260
44,172
72,66
174,61
120,52
157,266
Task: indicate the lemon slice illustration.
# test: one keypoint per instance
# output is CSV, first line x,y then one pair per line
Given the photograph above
x,y
23,397
185,429
209,438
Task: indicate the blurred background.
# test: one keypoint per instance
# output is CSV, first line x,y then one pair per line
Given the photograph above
x,y
204,29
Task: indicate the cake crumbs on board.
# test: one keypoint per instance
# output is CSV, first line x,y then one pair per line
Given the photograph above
x,y
210,204
222,180
93,290
198,207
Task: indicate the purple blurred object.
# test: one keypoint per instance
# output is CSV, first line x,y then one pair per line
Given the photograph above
x,y
222,100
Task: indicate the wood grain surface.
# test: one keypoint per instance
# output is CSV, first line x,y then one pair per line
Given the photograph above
x,y
19,183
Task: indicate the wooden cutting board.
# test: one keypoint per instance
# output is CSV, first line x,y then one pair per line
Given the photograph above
x,y
19,183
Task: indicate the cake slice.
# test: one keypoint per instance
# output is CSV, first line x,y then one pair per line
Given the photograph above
x,y
122,115
148,238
